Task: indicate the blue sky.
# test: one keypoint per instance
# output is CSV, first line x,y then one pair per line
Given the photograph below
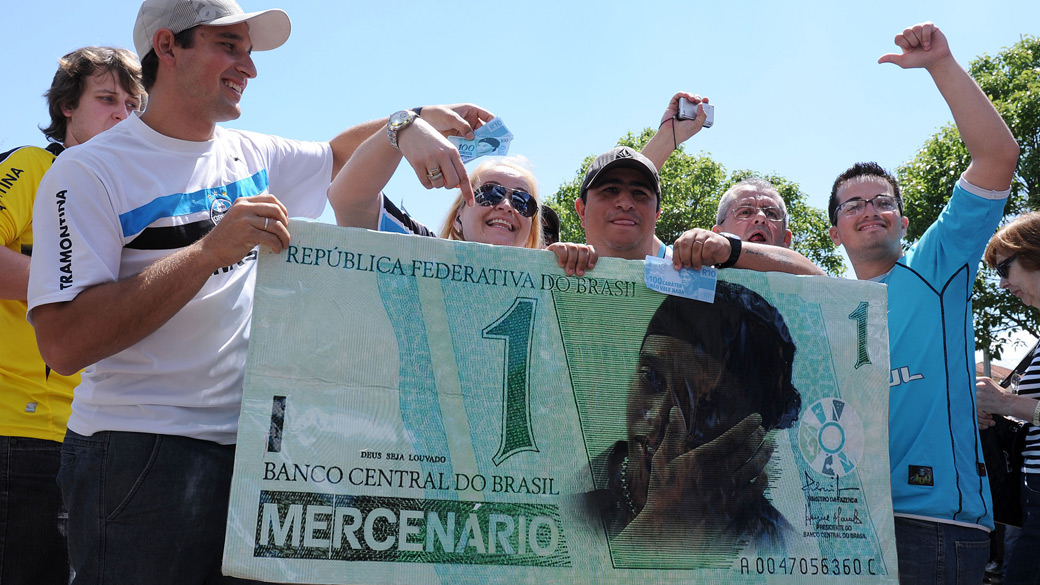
x,y
797,87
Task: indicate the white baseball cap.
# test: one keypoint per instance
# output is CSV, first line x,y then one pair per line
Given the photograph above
x,y
268,29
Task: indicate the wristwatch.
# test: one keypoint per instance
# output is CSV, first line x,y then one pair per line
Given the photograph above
x,y
734,250
399,121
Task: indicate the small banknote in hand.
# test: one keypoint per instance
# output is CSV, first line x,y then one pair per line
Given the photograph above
x,y
491,139
699,285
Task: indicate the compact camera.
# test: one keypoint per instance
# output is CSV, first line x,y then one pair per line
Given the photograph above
x,y
688,111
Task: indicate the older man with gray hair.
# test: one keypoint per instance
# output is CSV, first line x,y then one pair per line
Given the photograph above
x,y
754,211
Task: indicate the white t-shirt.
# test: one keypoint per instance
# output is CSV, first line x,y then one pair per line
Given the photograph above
x,y
131,196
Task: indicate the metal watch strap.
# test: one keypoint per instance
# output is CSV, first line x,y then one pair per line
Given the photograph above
x,y
395,125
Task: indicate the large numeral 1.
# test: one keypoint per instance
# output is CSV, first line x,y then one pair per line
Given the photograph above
x,y
515,327
860,316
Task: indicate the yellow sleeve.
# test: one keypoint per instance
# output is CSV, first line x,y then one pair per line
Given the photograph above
x,y
20,174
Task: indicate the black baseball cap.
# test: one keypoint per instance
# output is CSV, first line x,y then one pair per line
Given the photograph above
x,y
621,157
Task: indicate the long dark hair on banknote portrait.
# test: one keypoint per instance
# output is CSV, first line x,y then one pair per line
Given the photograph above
x,y
712,380
748,335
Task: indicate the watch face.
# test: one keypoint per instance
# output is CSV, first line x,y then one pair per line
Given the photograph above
x,y
400,119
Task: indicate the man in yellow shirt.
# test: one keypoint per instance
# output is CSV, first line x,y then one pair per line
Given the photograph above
x,y
93,89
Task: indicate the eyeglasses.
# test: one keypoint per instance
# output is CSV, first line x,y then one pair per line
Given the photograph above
x,y
746,212
1004,266
852,207
491,194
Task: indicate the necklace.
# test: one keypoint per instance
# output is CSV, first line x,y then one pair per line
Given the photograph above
x,y
624,486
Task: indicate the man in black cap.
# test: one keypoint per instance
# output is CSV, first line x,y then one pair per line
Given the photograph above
x,y
619,203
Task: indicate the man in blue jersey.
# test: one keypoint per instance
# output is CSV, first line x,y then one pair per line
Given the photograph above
x,y
940,492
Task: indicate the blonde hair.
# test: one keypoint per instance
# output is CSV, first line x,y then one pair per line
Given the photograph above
x,y
476,178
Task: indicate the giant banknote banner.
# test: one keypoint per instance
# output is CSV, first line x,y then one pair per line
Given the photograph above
x,y
425,411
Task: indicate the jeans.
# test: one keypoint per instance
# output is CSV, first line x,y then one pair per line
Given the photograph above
x,y
32,518
943,554
1023,558
1010,536
146,508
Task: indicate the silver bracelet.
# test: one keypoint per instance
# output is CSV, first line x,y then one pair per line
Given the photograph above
x,y
1036,414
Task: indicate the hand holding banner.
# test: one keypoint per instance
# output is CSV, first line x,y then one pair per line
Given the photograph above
x,y
423,411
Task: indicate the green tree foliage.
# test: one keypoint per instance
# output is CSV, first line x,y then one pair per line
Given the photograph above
x,y
1011,79
691,188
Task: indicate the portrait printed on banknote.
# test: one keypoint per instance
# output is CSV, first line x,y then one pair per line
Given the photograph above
x,y
712,380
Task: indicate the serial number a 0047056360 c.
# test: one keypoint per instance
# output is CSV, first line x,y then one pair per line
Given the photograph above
x,y
809,566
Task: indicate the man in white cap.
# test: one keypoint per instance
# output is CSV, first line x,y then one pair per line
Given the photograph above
x,y
143,272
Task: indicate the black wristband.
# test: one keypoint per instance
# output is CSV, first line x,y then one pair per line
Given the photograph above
x,y
734,250
418,111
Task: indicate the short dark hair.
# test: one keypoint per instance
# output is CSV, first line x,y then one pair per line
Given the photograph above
x,y
71,79
861,169
150,62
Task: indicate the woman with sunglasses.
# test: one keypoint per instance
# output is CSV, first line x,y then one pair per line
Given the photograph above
x,y
506,213
497,204
1014,252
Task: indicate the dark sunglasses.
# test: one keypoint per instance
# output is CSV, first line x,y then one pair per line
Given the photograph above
x,y
491,194
1004,266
